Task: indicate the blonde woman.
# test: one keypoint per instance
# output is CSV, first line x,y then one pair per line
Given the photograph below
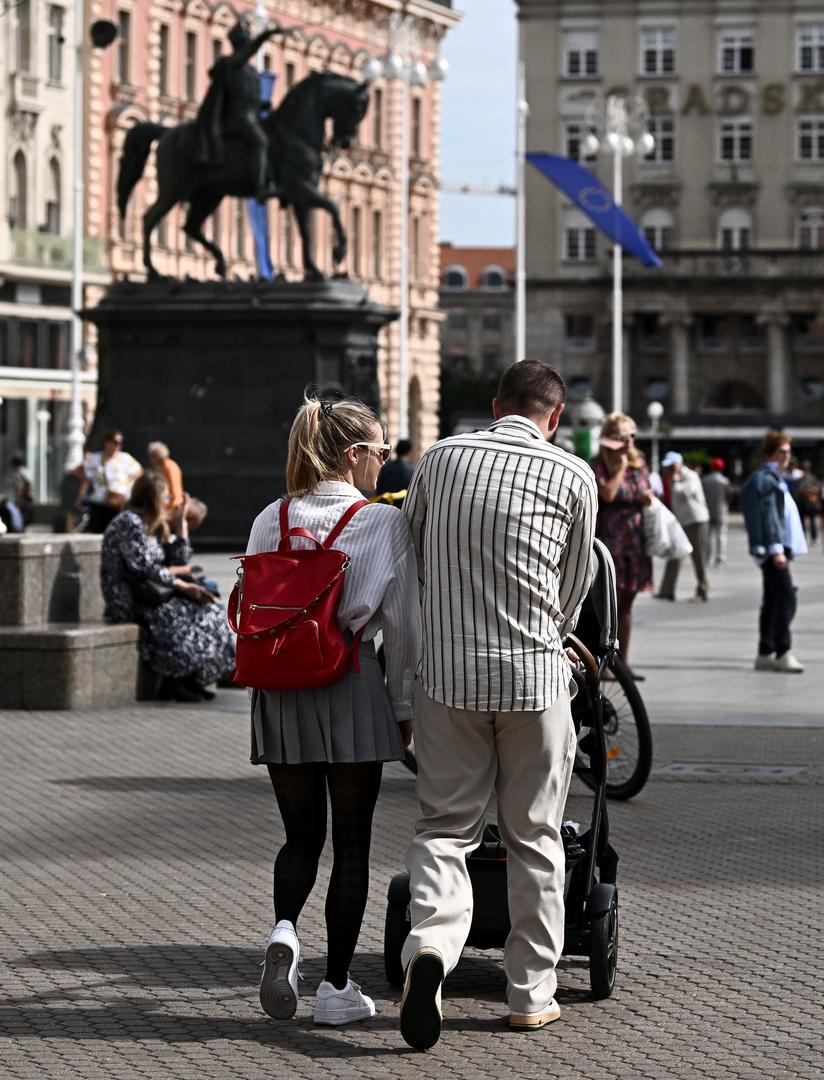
x,y
623,491
336,738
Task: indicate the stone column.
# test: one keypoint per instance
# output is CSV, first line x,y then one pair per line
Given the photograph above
x,y
679,326
777,361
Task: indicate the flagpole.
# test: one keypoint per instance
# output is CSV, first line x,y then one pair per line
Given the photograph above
x,y
522,108
617,289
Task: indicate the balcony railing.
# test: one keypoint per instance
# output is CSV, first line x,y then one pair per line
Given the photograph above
x,y
30,248
783,263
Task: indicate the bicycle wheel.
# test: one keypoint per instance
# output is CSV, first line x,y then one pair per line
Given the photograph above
x,y
627,733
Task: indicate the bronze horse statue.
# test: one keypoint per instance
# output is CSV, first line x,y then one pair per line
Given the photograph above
x,y
295,136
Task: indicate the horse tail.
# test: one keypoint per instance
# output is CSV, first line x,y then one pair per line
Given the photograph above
x,y
133,160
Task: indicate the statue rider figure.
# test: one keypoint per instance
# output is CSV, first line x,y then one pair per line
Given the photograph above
x,y
232,107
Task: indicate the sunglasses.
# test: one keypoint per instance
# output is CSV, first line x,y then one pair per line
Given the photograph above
x,y
383,449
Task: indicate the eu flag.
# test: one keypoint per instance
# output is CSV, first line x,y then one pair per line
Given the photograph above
x,y
258,215
596,201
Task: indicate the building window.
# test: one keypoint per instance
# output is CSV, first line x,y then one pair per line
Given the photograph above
x,y
651,335
23,34
734,230
662,129
124,47
491,320
163,66
240,229
579,237
217,51
457,320
491,362
493,279
711,333
750,334
377,118
735,140
57,345
810,141
28,335
415,248
579,332
455,278
581,54
809,230
356,246
658,227
807,333
190,68
657,51
574,134
809,48
52,222
289,76
56,15
736,52
417,114
18,209
377,244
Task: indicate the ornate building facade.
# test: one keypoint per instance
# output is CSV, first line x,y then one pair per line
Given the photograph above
x,y
158,70
728,333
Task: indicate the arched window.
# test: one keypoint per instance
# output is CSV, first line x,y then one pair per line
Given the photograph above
x,y
493,279
18,209
809,229
455,278
658,226
734,229
579,237
52,223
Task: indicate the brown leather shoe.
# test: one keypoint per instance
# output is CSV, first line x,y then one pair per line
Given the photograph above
x,y
535,1021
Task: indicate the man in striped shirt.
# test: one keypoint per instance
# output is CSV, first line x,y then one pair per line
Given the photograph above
x,y
502,523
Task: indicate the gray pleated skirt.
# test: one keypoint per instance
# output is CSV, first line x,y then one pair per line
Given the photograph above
x,y
349,721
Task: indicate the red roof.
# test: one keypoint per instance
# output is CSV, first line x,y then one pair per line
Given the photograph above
x,y
477,259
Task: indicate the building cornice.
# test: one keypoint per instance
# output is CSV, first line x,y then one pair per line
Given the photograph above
x,y
673,9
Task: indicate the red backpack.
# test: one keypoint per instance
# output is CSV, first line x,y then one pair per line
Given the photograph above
x,y
283,610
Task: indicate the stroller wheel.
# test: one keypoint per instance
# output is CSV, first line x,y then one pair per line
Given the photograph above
x,y
603,952
395,933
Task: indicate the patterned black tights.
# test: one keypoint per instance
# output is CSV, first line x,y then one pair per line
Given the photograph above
x,y
300,791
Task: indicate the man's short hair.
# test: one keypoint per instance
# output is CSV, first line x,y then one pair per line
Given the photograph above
x,y
158,449
772,440
403,447
530,388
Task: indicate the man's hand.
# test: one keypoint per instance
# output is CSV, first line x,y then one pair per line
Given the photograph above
x,y
574,659
779,561
405,727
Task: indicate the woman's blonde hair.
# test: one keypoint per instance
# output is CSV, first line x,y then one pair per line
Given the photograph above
x,y
148,500
611,429
321,433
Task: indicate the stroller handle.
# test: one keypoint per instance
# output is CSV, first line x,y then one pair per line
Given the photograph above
x,y
589,661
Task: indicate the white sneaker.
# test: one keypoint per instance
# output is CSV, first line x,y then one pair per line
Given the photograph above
x,y
765,663
788,664
279,981
335,1007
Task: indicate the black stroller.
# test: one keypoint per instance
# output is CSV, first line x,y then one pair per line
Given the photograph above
x,y
590,892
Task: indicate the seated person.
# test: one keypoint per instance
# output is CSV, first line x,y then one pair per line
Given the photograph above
x,y
194,513
184,635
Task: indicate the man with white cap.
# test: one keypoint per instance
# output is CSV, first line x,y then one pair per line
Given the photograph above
x,y
684,494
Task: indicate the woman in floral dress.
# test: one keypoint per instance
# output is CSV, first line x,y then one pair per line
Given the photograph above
x,y
185,639
623,491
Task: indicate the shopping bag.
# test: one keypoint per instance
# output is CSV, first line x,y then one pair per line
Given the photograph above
x,y
663,536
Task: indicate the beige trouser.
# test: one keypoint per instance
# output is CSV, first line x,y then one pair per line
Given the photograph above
x,y
526,759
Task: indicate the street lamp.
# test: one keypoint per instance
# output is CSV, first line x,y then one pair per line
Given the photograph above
x,y
400,65
619,127
43,418
102,33
655,410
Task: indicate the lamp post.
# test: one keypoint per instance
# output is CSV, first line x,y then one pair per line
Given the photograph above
x,y
103,33
619,126
400,65
655,410
522,115
43,418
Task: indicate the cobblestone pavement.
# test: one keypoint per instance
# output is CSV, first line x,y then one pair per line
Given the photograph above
x,y
135,891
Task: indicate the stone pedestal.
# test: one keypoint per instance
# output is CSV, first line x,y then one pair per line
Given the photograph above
x,y
217,370
50,578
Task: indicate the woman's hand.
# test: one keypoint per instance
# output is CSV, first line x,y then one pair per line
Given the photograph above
x,y
194,592
406,732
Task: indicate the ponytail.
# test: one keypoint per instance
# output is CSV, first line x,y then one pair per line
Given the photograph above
x,y
321,433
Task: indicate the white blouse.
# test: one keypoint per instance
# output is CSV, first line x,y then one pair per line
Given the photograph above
x,y
380,588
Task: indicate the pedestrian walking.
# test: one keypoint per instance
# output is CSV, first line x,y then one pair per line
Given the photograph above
x,y
161,461
717,491
807,494
396,474
502,524
336,737
108,477
775,538
684,494
624,489
20,488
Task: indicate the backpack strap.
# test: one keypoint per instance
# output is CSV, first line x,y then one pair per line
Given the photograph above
x,y
284,524
347,516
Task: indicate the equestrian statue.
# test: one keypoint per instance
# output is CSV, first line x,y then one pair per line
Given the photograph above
x,y
231,149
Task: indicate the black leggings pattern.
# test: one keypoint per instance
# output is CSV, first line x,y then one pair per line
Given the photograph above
x,y
300,791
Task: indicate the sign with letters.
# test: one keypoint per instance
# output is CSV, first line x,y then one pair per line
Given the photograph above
x,y
731,99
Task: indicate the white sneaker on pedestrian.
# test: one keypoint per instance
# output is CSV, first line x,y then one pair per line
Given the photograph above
x,y
789,664
765,662
279,981
335,1007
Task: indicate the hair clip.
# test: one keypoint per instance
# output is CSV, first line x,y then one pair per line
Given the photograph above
x,y
325,409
